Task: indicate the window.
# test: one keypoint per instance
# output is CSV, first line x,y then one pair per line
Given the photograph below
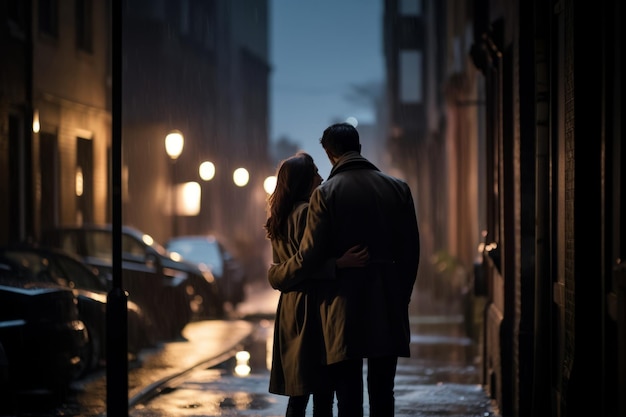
x,y
84,180
49,177
410,77
49,18
16,17
133,249
410,7
84,25
99,244
184,17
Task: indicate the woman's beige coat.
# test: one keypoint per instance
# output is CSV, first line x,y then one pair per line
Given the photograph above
x,y
297,350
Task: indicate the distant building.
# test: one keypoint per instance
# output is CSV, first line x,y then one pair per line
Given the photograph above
x,y
432,134
199,67
55,115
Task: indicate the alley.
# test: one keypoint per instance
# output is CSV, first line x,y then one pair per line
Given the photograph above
x,y
197,375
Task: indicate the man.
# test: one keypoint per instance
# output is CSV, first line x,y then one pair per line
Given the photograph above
x,y
365,311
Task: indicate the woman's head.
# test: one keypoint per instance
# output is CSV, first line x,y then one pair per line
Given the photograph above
x,y
298,176
296,179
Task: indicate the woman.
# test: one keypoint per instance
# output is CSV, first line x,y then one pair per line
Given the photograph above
x,y
297,357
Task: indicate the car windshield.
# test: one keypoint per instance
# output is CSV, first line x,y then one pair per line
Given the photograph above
x,y
200,251
98,244
60,269
11,269
131,238
29,265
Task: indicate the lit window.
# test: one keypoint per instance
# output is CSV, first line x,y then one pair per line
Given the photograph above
x,y
410,77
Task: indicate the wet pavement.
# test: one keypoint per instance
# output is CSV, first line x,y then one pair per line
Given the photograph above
x,y
199,375
439,380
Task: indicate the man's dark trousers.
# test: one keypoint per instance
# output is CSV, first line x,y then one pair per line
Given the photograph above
x,y
381,374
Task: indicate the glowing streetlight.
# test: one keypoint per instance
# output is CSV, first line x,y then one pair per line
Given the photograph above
x,y
269,184
174,142
241,177
207,171
353,121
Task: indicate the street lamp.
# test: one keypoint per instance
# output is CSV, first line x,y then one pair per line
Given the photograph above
x,y
269,184
241,177
207,170
174,142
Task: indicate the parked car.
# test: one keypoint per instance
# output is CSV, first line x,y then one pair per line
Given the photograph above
x,y
174,292
59,267
208,251
41,333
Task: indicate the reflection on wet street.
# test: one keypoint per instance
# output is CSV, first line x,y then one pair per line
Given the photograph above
x,y
440,352
200,376
221,391
439,379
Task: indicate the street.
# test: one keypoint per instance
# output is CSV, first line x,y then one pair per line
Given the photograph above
x,y
440,382
200,376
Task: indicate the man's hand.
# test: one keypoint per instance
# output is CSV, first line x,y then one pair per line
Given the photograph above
x,y
355,257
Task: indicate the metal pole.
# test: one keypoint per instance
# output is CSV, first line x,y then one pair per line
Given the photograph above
x,y
117,320
619,278
174,202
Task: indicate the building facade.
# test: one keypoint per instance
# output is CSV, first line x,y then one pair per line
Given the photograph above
x,y
55,115
526,122
200,68
433,138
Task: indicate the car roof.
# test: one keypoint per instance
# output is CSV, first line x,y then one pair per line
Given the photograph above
x,y
208,238
107,227
98,226
40,249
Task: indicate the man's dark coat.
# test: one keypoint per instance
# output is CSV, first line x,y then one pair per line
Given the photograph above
x,y
365,310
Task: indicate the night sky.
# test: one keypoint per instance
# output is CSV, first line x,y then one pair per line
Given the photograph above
x,y
318,49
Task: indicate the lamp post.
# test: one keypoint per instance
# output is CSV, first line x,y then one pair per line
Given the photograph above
x,y
206,170
174,142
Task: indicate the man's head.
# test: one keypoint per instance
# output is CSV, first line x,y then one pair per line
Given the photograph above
x,y
338,139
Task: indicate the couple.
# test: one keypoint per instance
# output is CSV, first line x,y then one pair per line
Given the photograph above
x,y
345,258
